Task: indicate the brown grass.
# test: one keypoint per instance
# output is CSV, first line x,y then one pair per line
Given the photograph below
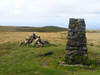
x,y
54,37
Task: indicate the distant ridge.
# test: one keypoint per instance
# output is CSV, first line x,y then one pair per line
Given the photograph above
x,y
31,29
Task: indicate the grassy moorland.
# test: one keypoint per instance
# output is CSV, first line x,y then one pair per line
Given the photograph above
x,y
31,29
15,60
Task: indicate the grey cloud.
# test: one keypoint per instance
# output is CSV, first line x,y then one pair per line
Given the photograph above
x,y
48,12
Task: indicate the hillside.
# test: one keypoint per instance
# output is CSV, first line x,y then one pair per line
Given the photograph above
x,y
27,60
31,29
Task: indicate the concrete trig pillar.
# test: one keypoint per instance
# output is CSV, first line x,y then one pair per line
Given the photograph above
x,y
76,48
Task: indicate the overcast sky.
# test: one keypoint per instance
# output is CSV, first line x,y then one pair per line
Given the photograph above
x,y
49,12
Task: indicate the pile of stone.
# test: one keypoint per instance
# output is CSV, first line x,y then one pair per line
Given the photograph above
x,y
76,48
34,40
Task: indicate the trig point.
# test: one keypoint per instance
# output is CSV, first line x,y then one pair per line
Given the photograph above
x,y
76,49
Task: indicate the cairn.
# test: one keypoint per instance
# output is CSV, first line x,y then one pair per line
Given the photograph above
x,y
34,40
76,49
